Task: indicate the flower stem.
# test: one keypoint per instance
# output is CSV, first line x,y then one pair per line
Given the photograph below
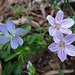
x,y
58,65
64,5
69,8
26,60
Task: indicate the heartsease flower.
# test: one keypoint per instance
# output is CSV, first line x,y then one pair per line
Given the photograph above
x,y
62,45
60,24
11,34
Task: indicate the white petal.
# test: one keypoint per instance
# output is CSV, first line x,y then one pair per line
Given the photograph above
x,y
52,31
69,38
51,20
70,50
65,31
58,37
53,47
62,55
59,16
67,23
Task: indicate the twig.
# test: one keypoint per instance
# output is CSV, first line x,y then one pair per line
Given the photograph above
x,y
22,21
57,72
42,8
52,12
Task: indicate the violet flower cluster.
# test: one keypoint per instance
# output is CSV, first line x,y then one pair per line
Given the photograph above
x,y
61,44
11,34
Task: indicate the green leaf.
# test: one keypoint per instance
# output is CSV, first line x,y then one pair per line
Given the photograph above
x,y
3,72
29,19
10,18
18,67
55,1
21,58
39,29
1,46
3,53
11,56
32,38
61,73
13,8
24,10
57,8
8,49
26,28
8,68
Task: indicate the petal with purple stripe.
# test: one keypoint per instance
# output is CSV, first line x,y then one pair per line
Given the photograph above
x,y
52,31
62,55
51,20
65,31
10,26
19,31
53,47
19,40
69,38
59,17
4,39
14,44
67,23
70,50
58,37
3,29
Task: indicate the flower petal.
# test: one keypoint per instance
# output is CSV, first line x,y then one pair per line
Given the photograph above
x,y
53,47
62,55
70,50
67,23
65,31
52,31
10,26
14,45
29,64
4,39
3,29
19,40
58,37
51,20
69,38
59,17
19,31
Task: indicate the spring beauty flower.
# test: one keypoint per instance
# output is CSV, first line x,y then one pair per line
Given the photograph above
x,y
60,24
11,34
63,46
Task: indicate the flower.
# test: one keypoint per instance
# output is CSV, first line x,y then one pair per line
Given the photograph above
x,y
60,24
29,73
31,68
62,45
11,34
29,64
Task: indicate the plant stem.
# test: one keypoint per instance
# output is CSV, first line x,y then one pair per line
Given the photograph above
x,y
58,66
69,8
64,5
26,60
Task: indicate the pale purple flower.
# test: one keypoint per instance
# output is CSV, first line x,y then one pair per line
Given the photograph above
x,y
62,45
11,34
60,24
29,64
29,73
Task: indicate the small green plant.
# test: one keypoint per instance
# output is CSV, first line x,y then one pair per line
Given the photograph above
x,y
18,10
